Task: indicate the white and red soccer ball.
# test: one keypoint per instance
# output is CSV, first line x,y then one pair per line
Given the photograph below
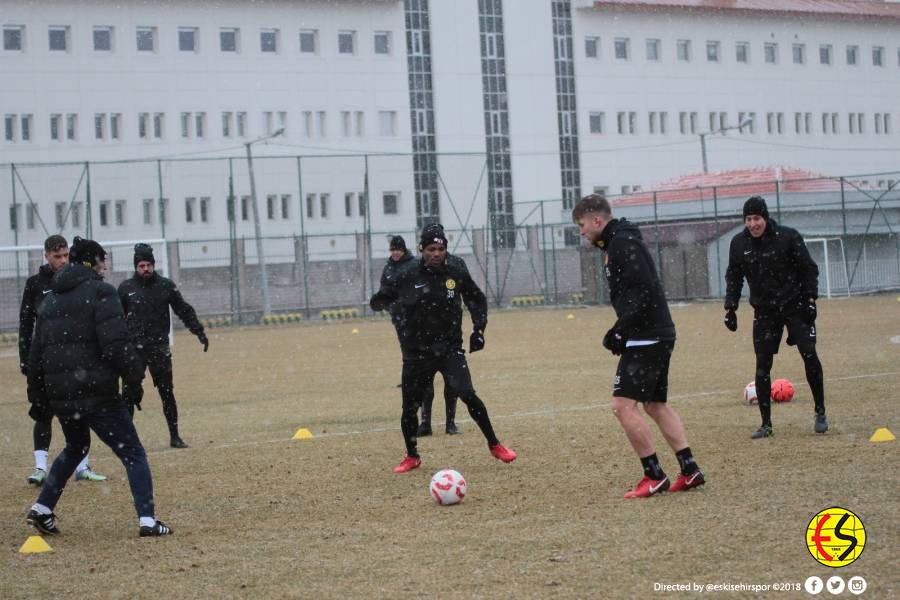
x,y
447,487
782,391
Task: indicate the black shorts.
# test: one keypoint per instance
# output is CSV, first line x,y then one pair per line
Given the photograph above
x,y
768,327
158,358
418,375
643,372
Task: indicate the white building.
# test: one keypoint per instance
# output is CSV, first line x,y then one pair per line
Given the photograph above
x,y
563,98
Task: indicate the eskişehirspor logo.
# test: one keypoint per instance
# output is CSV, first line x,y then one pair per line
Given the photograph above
x,y
835,537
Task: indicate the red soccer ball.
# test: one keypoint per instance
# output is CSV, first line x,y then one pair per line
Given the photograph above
x,y
782,390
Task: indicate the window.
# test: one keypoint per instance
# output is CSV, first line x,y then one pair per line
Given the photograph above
x,y
322,123
309,41
227,123
190,205
652,120
417,45
308,130
55,127
747,122
360,123
25,130
742,52
362,204
390,201
626,122
664,123
621,123
105,207
146,39
490,45
387,122
119,213
185,124
9,128
204,209
771,52
877,56
59,38
71,126
323,205
100,126
60,214
75,214
382,42
591,47
164,211
682,122
148,211
799,54
835,123
187,39
200,124
852,55
115,121
271,201
241,122
228,39
285,206
712,51
103,39
825,54
346,42
245,208
268,122
622,48
596,122
13,39
878,123
349,197
565,122
158,125
653,49
684,50
268,40
887,123
310,205
346,123
143,125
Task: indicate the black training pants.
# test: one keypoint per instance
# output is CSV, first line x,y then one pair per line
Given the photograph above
x,y
158,358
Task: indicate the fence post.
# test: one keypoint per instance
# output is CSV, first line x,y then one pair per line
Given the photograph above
x,y
367,223
232,250
718,242
659,261
543,250
844,233
778,199
303,240
88,217
162,202
15,215
553,255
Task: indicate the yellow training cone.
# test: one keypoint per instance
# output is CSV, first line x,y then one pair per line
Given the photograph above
x,y
303,434
882,434
354,330
570,316
33,544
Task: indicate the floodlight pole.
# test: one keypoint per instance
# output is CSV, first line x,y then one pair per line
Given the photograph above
x,y
257,228
740,125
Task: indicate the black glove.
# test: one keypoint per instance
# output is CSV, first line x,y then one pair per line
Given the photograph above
x,y
24,368
203,340
40,412
476,341
380,301
810,310
614,341
132,394
731,320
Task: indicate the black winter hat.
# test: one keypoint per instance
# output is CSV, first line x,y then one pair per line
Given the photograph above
x,y
432,234
88,252
143,252
398,243
756,206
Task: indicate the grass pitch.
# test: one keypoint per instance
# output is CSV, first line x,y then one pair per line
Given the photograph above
x,y
257,514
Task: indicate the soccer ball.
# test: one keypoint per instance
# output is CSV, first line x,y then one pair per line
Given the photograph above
x,y
782,390
750,393
448,487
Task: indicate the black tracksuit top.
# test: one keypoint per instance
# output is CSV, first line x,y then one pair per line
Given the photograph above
x,y
777,267
146,304
81,345
36,289
390,269
635,291
430,305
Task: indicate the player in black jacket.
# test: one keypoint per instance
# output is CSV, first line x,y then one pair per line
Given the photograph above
x,y
784,284
430,292
644,336
400,255
80,350
146,298
56,253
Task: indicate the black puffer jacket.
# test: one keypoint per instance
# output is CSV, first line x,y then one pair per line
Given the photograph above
x,y
390,269
635,291
81,345
777,267
430,302
36,289
146,304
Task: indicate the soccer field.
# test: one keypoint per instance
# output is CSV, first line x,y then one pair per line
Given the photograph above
x,y
257,514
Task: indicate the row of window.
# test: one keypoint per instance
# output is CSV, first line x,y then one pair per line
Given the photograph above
x,y
684,52
104,39
804,123
198,209
193,125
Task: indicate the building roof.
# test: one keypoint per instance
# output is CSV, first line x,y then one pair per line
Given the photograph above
x,y
730,184
855,9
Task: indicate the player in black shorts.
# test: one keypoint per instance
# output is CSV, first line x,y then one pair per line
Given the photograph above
x,y
644,337
429,293
784,284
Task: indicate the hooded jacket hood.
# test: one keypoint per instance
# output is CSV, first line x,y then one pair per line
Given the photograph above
x,y
70,277
618,227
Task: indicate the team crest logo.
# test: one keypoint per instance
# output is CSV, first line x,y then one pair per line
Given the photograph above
x,y
835,537
451,284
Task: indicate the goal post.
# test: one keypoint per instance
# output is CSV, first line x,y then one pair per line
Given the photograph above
x,y
839,244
